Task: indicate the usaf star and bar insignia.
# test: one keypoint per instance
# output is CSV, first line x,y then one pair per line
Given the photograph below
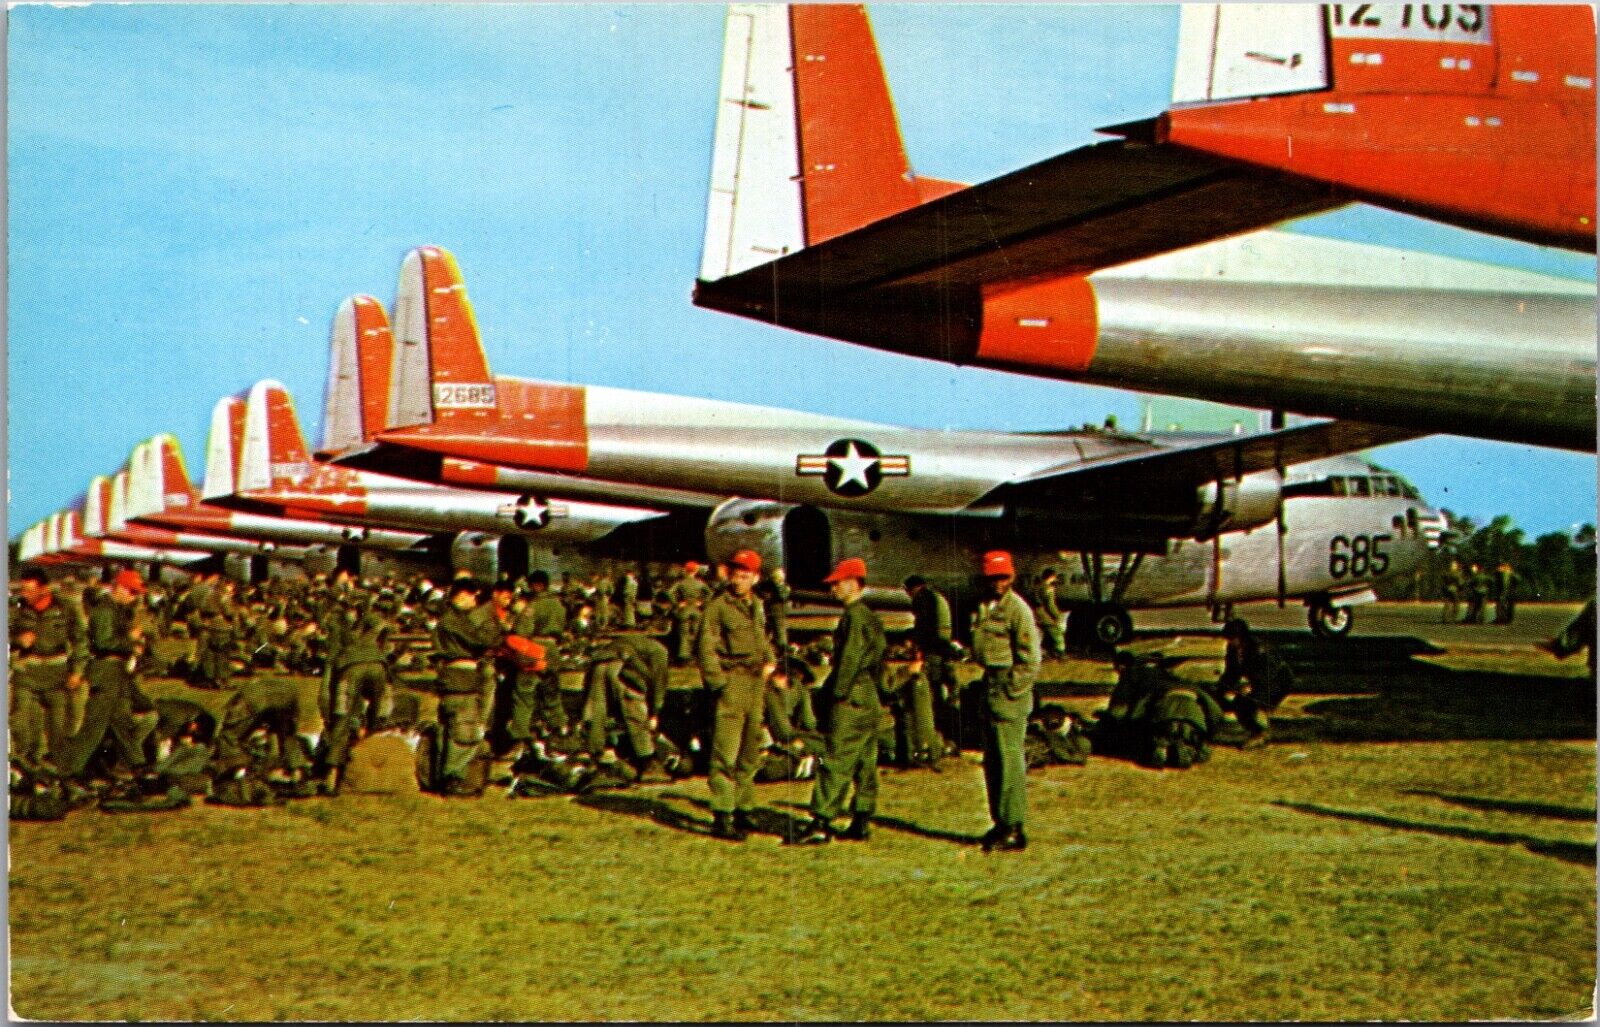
x,y
532,512
851,467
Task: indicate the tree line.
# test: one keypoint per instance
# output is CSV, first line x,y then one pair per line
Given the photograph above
x,y
1556,567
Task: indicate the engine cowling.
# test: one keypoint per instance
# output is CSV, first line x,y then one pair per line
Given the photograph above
x,y
1238,504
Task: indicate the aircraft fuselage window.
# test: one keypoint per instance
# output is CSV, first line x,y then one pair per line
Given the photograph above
x,y
1360,487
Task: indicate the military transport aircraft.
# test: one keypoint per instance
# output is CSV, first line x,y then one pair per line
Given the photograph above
x,y
1140,263
1186,519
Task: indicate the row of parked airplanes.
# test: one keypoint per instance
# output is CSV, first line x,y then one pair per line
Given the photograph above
x,y
1141,262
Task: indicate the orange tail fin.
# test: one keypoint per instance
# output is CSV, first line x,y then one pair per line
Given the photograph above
x,y
439,372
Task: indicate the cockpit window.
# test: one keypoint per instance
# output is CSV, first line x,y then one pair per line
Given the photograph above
x,y
1360,486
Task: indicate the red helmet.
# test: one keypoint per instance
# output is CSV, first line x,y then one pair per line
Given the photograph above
x,y
745,560
854,567
997,564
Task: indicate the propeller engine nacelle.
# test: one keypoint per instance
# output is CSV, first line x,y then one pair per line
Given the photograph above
x,y
1238,504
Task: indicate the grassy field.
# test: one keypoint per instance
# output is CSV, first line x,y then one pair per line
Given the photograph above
x,y
1418,844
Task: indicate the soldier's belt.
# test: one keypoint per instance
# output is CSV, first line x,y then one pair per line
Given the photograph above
x,y
34,660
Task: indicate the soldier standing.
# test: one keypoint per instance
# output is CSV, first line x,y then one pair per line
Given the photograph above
x,y
628,597
735,659
1505,596
1478,586
931,632
463,640
1451,587
47,658
362,672
115,642
688,595
1049,610
775,592
853,687
1005,640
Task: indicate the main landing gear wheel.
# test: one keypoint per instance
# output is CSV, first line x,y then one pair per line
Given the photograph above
x,y
1104,626
1328,621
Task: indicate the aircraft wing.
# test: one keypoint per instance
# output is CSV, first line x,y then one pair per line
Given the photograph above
x,y
1210,460
1090,208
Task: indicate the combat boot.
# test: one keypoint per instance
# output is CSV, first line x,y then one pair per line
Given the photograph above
x,y
722,826
1014,841
815,832
992,837
859,830
653,773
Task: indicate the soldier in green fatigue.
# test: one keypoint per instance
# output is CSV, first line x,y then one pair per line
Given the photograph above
x,y
536,707
627,589
1506,581
1005,641
463,640
48,653
854,687
219,637
1451,587
1254,680
628,672
1048,608
545,619
688,596
735,659
932,634
115,642
774,591
361,672
1479,584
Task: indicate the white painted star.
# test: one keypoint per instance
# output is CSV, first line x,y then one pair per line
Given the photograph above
x,y
853,466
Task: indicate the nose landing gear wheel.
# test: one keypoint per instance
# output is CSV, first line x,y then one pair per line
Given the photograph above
x,y
1330,621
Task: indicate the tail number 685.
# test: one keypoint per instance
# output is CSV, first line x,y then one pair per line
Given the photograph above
x,y
1357,556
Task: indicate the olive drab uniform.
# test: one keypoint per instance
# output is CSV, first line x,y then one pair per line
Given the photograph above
x,y
1050,617
1005,641
360,672
1505,594
536,707
628,672
733,650
852,688
775,594
932,632
688,596
1451,588
114,647
628,599
462,642
41,703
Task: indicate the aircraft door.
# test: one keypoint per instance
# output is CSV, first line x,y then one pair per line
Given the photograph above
x,y
348,558
807,547
260,568
512,551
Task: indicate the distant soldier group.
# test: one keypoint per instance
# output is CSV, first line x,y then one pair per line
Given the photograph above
x,y
1479,586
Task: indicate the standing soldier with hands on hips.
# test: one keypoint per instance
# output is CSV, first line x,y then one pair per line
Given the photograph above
x,y
1005,640
853,689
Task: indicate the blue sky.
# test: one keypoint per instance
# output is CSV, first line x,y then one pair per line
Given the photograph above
x,y
193,189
